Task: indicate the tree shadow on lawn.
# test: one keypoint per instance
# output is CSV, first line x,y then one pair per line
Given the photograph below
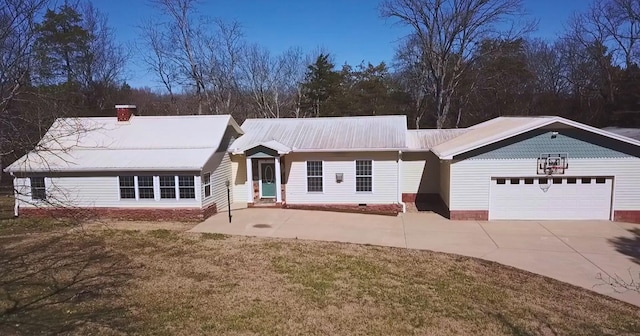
x,y
62,283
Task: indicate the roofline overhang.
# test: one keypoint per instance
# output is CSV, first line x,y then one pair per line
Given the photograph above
x,y
235,125
243,152
521,130
343,150
102,169
416,150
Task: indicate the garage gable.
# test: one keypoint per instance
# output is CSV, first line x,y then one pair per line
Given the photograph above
x,y
575,143
504,130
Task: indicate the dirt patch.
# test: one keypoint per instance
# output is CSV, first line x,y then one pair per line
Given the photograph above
x,y
140,225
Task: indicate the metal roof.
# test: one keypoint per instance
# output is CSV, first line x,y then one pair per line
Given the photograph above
x,y
371,133
633,133
502,128
425,139
154,143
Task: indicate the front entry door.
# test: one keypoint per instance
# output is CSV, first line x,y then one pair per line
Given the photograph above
x,y
267,180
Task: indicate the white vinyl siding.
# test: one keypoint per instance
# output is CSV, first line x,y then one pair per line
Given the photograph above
x,y
220,166
239,178
385,168
470,179
445,182
97,191
420,173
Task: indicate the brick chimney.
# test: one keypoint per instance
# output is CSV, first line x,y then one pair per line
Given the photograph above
x,y
124,112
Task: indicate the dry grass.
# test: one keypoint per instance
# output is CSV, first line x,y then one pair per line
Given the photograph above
x,y
167,282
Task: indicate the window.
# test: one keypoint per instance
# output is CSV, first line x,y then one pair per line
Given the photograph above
x,y
571,180
314,176
600,180
501,181
127,187
145,187
586,180
557,180
543,180
515,181
38,190
187,186
528,181
206,181
167,187
364,175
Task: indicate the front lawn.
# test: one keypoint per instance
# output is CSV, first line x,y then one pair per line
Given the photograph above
x,y
163,282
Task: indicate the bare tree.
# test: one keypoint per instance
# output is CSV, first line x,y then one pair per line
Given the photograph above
x,y
447,33
194,54
545,62
17,35
414,77
104,59
158,59
177,43
223,54
274,82
614,23
293,68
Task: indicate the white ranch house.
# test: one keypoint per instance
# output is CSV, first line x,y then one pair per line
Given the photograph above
x,y
178,167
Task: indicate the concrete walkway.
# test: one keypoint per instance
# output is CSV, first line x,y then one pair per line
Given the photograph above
x,y
576,252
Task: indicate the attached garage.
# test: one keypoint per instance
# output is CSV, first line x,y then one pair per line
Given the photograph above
x,y
494,172
547,198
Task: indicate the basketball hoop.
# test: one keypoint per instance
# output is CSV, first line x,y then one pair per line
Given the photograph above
x,y
550,164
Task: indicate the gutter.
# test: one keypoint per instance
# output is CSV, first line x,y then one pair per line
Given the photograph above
x,y
16,201
120,169
399,183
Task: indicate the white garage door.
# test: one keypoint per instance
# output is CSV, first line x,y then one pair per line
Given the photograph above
x,y
550,198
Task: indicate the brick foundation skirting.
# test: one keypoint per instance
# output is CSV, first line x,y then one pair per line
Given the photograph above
x,y
482,215
630,216
409,197
130,214
421,197
374,209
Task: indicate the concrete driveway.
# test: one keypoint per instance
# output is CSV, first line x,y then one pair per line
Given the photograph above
x,y
576,252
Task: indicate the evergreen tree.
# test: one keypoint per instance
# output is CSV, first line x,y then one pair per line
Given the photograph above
x,y
321,84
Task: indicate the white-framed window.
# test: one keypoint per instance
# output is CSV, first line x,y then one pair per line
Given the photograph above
x,y
167,187
314,176
187,186
364,176
206,182
145,187
127,187
38,188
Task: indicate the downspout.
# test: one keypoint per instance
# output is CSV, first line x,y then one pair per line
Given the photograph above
x,y
16,201
399,183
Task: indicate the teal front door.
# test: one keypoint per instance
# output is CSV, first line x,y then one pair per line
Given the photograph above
x,y
267,180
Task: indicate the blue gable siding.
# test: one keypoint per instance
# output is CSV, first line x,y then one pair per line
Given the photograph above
x,y
575,143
